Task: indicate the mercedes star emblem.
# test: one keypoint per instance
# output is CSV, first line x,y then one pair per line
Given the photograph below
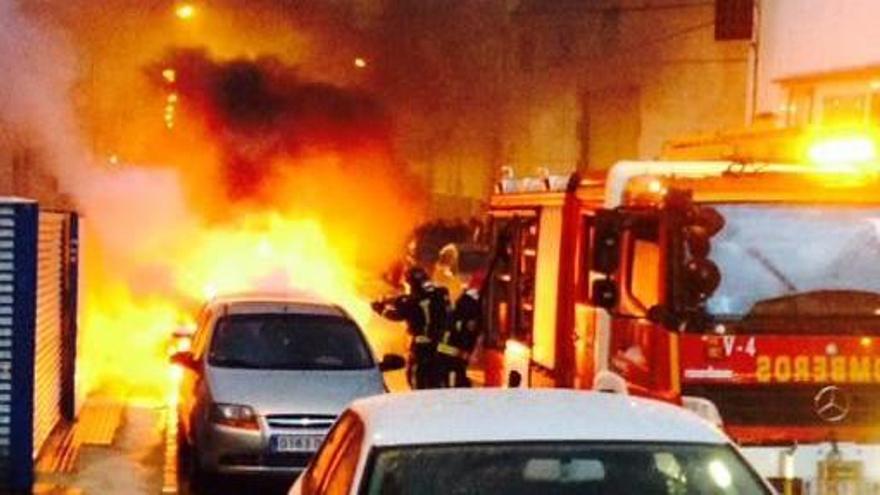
x,y
832,404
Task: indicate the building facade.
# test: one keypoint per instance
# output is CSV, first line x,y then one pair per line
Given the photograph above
x,y
597,82
819,61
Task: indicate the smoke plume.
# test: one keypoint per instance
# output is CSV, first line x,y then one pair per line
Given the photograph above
x,y
263,116
269,178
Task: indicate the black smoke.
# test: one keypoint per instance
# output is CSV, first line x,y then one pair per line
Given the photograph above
x,y
260,111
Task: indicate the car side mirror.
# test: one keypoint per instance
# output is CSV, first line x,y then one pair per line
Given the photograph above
x,y
392,362
185,359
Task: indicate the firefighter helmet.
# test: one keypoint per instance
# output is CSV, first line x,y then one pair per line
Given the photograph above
x,y
416,277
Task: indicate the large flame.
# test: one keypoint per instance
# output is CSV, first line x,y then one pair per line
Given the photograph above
x,y
129,329
270,178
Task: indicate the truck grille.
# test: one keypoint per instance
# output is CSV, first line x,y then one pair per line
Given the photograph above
x,y
787,405
300,421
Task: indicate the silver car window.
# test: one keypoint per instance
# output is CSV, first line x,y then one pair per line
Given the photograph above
x,y
288,341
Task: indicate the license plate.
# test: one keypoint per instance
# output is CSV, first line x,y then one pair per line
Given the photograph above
x,y
296,443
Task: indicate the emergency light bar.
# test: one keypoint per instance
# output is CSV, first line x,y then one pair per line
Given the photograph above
x,y
509,184
842,152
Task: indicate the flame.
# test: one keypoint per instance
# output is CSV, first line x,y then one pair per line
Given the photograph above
x,y
162,231
130,333
270,253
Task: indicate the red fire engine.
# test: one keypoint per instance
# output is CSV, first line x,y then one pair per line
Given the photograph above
x,y
746,291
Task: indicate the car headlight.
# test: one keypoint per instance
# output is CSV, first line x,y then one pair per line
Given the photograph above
x,y
234,416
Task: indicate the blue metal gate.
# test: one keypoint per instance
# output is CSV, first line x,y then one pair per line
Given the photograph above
x,y
38,275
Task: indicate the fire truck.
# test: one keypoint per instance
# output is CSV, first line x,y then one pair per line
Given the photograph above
x,y
743,289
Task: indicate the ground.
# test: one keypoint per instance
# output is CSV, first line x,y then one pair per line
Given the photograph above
x,y
133,453
131,464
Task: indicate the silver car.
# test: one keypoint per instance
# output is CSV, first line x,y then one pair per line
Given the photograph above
x,y
265,379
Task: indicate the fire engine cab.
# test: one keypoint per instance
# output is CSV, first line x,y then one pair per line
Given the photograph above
x,y
746,291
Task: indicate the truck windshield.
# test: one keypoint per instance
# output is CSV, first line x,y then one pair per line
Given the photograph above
x,y
288,341
796,261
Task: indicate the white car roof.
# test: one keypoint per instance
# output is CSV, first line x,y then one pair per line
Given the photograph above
x,y
291,302
510,415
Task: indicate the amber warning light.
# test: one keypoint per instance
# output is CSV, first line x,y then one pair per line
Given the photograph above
x,y
843,153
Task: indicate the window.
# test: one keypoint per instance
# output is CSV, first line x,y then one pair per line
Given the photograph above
x,y
512,288
345,465
500,278
322,463
527,264
585,273
843,109
645,274
643,261
288,341
201,336
562,468
800,107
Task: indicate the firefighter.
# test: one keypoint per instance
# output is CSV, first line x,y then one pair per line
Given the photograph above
x,y
426,309
458,342
446,271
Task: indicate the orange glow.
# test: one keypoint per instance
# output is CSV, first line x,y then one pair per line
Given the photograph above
x,y
843,153
264,252
175,377
170,75
360,63
161,235
645,190
185,11
268,252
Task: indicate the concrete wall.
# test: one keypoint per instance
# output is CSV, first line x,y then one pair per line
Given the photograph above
x,y
806,36
596,82
439,71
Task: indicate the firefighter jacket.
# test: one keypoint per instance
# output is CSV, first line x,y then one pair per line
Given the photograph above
x,y
426,313
461,338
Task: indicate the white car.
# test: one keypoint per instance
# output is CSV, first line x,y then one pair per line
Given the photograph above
x,y
511,441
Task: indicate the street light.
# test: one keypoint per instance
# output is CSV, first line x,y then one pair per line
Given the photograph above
x,y
360,63
185,11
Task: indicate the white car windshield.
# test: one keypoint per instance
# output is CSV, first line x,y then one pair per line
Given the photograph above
x,y
288,341
782,261
562,469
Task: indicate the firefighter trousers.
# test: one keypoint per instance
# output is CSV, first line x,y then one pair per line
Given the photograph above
x,y
423,370
452,372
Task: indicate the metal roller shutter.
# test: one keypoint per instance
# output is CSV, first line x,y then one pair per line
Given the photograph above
x,y
48,361
18,269
7,291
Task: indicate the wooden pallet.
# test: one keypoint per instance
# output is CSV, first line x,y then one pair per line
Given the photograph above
x,y
97,425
